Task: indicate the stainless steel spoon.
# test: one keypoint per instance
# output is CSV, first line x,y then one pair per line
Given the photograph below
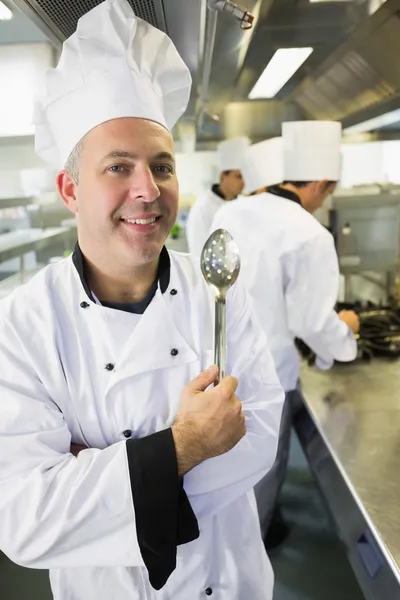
x,y
220,266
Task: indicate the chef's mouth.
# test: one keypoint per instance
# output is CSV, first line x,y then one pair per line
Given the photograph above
x,y
142,221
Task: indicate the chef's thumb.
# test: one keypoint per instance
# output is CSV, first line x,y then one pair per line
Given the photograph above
x,y
201,383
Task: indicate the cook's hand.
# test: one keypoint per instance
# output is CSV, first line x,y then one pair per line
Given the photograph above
x,y
209,423
76,448
351,319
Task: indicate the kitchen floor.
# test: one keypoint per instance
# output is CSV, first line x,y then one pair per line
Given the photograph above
x,y
310,565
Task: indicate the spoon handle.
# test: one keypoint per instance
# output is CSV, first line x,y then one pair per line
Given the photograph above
x,y
220,336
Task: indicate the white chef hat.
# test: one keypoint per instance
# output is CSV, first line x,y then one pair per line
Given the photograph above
x,y
263,164
231,153
312,150
114,65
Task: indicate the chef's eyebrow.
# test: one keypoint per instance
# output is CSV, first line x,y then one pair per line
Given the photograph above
x,y
124,154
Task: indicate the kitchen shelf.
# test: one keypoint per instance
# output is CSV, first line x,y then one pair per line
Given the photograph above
x,y
17,243
16,202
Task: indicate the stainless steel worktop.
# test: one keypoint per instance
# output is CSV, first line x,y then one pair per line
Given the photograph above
x,y
356,409
19,242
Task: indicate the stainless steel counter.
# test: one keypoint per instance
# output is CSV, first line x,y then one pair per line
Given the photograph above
x,y
17,243
356,411
16,202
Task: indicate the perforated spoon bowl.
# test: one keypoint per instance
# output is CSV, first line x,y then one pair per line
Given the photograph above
x,y
220,266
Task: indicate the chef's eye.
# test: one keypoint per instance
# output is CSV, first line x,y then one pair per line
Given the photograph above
x,y
163,169
117,169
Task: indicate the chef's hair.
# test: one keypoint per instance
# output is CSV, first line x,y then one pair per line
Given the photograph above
x,y
303,184
72,164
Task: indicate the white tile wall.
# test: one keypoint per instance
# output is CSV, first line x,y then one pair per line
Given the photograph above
x,y
196,172
21,170
22,69
370,162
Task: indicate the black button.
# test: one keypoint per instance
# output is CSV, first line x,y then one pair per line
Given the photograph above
x,y
85,305
174,352
173,292
110,367
127,433
209,592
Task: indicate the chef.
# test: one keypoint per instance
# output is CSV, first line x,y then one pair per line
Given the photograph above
x,y
290,268
123,469
231,184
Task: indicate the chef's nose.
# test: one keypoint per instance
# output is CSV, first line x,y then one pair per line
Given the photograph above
x,y
143,186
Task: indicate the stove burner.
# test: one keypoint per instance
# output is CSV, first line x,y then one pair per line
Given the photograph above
x,y
379,333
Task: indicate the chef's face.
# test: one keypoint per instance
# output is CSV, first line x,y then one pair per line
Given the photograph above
x,y
315,193
126,197
233,182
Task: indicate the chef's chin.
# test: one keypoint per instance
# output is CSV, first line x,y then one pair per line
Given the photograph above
x,y
143,251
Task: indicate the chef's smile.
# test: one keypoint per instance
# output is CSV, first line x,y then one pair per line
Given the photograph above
x,y
142,224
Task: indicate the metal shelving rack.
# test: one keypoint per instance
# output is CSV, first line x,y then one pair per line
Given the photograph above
x,y
15,244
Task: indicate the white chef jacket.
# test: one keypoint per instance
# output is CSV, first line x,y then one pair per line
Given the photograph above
x,y
200,218
70,374
289,265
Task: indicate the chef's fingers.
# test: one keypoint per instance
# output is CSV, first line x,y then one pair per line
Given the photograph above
x,y
228,385
201,383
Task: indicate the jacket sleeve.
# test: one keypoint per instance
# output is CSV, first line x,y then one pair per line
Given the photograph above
x,y
103,508
219,481
311,292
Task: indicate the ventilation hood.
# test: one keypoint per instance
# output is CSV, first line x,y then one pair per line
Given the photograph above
x,y
361,79
352,75
58,18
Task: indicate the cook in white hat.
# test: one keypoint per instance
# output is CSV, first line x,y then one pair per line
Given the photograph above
x,y
120,471
263,165
311,160
290,268
231,184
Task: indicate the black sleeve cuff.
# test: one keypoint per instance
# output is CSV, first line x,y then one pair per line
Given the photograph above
x,y
164,517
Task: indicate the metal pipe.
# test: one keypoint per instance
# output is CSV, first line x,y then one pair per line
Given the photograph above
x,y
234,9
211,31
216,6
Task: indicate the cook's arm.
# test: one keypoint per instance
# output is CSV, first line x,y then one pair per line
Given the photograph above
x,y
219,481
121,506
311,294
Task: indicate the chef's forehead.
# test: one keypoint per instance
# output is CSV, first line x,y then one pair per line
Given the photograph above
x,y
129,135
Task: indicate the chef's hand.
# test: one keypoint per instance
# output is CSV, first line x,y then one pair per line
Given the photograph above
x,y
209,423
351,319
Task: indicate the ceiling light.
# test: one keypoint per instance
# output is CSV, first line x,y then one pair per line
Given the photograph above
x,y
5,13
376,123
282,66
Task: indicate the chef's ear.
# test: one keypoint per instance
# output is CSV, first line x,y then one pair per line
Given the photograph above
x,y
67,189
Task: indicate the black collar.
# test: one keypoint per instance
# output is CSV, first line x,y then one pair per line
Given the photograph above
x,y
277,190
163,277
216,190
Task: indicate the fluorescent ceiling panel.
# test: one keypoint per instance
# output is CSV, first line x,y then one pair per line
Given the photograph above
x,y
282,66
376,123
5,13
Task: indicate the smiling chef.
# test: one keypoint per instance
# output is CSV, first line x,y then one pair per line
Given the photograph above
x,y
110,350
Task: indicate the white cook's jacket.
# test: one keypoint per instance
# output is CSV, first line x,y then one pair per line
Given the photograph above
x,y
75,515
200,219
290,268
